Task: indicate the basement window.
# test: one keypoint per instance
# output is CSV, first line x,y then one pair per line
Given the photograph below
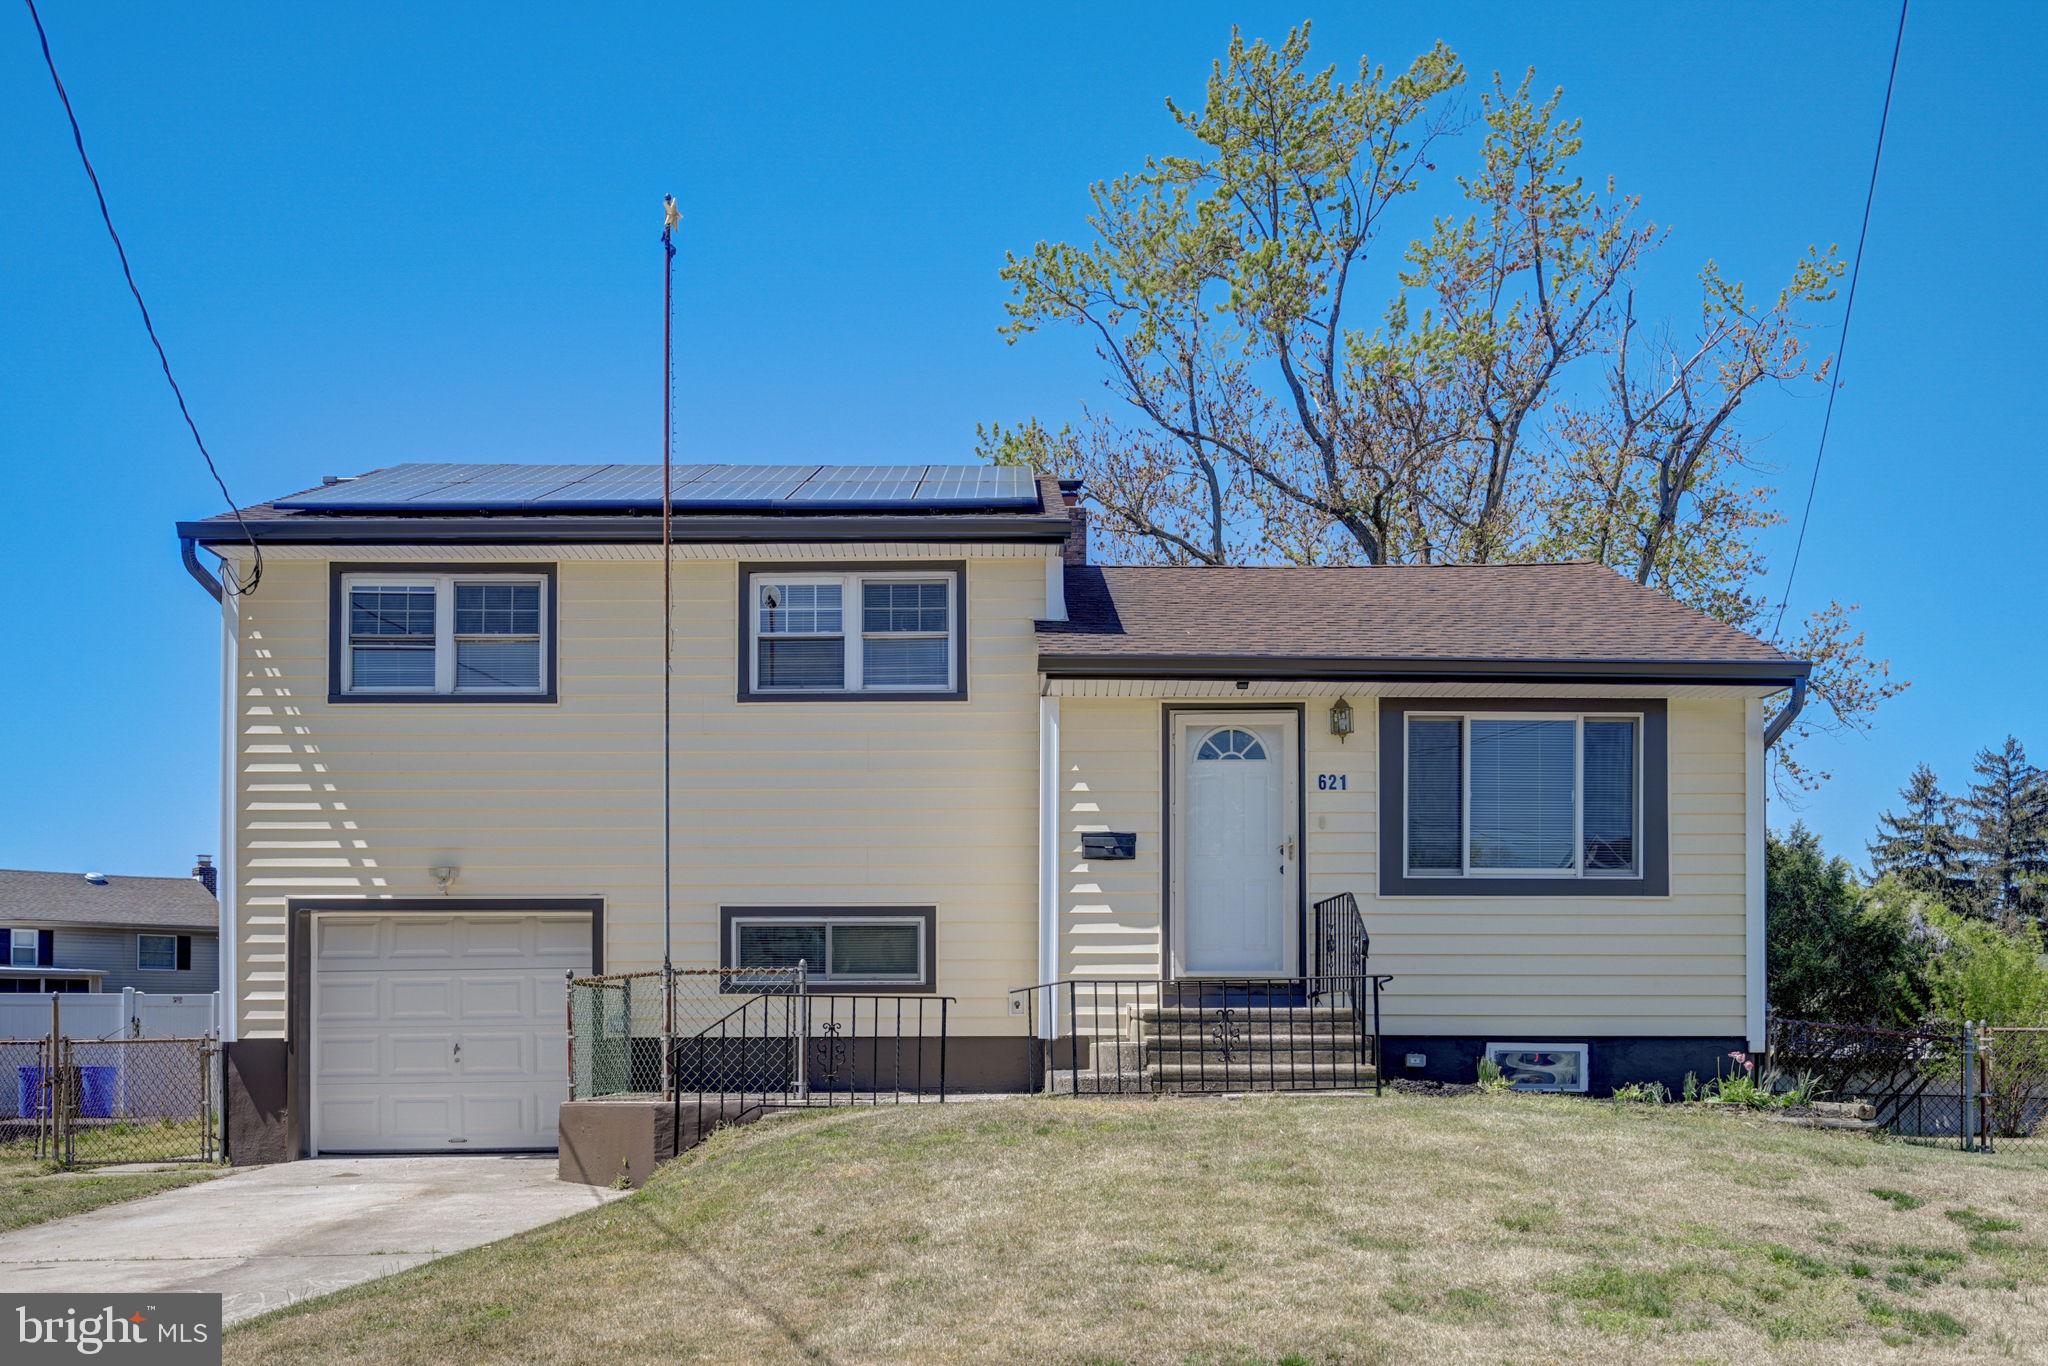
x,y
415,636
850,947
1541,1066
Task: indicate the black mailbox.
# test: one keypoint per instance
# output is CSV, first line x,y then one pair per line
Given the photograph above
x,y
1109,844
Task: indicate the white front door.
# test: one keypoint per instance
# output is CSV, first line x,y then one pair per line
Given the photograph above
x,y
1234,866
441,1033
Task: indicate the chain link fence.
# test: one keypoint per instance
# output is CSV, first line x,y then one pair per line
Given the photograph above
x,y
1914,1079
721,1029
80,1102
136,1100
2015,1087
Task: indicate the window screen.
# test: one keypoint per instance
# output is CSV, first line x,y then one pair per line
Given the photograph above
x,y
851,949
1610,785
1523,789
1436,778
156,952
391,636
802,641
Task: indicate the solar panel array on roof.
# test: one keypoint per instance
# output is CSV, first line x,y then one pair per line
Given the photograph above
x,y
694,488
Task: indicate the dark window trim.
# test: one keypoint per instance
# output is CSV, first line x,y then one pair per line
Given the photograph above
x,y
1167,712
745,656
928,914
1655,879
337,621
298,953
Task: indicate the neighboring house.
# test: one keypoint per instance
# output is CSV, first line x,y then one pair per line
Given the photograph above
x,y
903,702
67,932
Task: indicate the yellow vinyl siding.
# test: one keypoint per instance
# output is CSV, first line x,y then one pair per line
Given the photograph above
x,y
1544,967
783,803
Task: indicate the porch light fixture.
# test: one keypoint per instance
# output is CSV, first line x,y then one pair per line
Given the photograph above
x,y
1340,719
443,874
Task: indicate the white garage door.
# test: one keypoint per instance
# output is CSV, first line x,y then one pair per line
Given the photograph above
x,y
437,1033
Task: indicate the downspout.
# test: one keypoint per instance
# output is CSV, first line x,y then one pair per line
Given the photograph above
x,y
188,553
1788,713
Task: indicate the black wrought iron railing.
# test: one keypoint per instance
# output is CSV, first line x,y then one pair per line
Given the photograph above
x,y
1131,1035
805,1049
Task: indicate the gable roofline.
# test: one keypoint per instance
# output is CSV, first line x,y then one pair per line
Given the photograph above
x,y
1279,668
624,530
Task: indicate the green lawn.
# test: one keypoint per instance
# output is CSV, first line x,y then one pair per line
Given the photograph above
x,y
1396,1229
32,1192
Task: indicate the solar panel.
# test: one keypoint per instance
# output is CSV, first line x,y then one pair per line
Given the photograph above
x,y
737,486
860,485
624,486
984,485
453,487
380,488
501,487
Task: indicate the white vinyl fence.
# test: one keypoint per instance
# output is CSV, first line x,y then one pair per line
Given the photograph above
x,y
112,1015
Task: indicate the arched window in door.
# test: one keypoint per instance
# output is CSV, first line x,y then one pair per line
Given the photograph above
x,y
1231,744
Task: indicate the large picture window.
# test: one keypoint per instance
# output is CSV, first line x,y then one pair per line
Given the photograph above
x,y
413,635
1538,794
838,947
855,632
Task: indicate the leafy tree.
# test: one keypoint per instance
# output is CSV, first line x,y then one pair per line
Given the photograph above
x,y
2009,842
1503,401
1835,953
1985,973
1921,848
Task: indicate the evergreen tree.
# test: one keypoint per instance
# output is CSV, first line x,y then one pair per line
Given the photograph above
x,y
2008,845
1921,848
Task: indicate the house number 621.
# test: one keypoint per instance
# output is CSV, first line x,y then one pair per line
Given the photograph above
x,y
1332,782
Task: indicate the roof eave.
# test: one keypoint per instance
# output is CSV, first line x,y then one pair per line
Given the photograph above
x,y
619,530
1752,673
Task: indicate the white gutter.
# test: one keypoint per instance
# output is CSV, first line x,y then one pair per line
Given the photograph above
x,y
1048,852
226,861
1754,920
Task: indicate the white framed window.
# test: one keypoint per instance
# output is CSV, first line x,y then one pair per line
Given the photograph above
x,y
881,632
443,634
21,948
1524,795
156,952
1541,1066
837,948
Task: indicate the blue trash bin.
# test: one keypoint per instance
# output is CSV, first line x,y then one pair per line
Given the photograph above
x,y
97,1087
28,1092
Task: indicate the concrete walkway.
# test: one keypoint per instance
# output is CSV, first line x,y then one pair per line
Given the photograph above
x,y
263,1237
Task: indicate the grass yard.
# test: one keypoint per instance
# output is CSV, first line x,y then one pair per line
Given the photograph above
x,y
1397,1229
31,1192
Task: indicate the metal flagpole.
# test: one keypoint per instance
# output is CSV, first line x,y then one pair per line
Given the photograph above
x,y
670,218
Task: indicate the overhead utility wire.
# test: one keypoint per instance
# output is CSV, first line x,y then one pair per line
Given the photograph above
x,y
1848,312
228,580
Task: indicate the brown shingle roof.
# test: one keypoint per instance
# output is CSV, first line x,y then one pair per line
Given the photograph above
x,y
144,902
1398,615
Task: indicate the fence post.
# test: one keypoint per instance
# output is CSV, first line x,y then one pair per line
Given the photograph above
x,y
803,1038
1969,1087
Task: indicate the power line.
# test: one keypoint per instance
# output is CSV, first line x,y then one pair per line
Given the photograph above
x,y
1848,312
229,580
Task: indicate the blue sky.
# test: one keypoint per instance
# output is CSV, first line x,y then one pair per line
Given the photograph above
x,y
428,232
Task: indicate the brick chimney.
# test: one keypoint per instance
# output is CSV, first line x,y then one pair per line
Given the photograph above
x,y
1077,515
207,875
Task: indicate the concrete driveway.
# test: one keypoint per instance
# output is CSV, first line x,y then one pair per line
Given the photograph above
x,y
263,1237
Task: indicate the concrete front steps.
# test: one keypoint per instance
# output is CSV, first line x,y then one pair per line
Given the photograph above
x,y
1227,1047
